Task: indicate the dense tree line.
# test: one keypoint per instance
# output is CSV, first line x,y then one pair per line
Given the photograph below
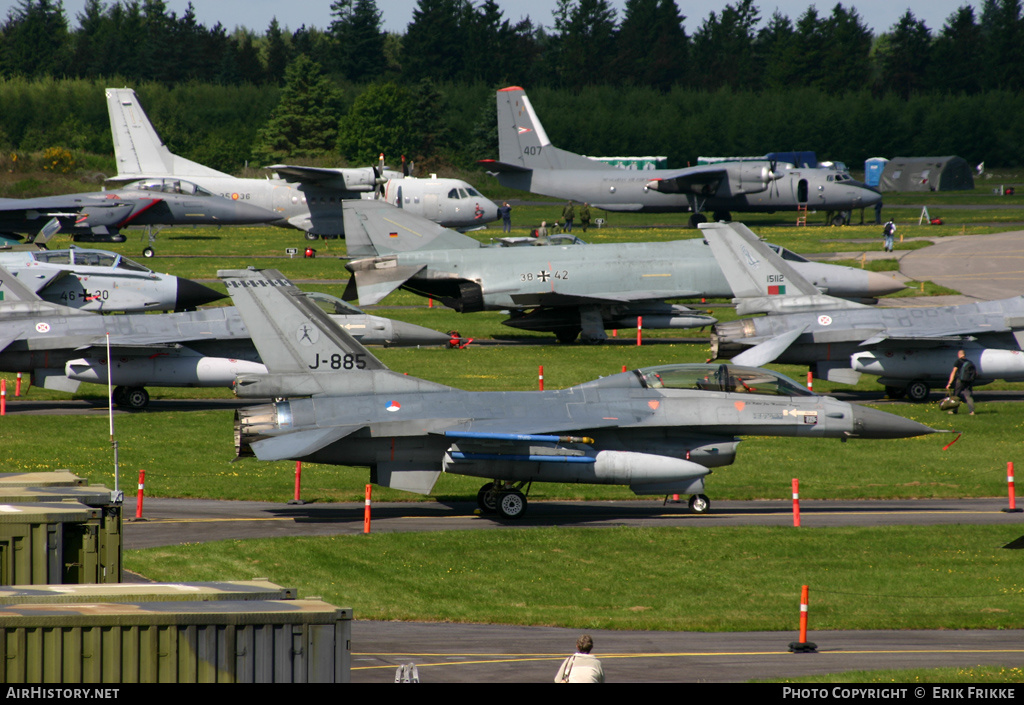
x,y
741,84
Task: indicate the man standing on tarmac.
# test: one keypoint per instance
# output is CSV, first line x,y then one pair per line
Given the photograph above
x,y
964,373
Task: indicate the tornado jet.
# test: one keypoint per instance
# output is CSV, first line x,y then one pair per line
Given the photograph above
x,y
102,281
657,429
63,346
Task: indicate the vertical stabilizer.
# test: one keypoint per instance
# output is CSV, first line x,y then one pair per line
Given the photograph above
x,y
138,150
522,141
761,281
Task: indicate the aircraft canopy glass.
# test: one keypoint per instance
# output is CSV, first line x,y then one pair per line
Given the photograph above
x,y
169,186
332,304
89,258
721,378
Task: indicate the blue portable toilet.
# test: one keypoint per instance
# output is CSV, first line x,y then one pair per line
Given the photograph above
x,y
873,169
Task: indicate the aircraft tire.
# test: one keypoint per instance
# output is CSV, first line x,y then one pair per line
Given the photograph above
x,y
567,336
511,504
312,236
696,219
148,253
918,391
119,393
136,398
699,504
487,499
895,392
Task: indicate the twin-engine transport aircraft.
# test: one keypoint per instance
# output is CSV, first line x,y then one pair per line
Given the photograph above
x,y
563,289
658,430
529,162
303,197
910,349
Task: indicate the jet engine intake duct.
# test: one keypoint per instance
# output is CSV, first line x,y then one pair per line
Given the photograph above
x,y
469,299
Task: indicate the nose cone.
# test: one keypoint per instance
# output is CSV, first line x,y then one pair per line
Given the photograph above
x,y
879,284
489,210
192,295
872,423
408,334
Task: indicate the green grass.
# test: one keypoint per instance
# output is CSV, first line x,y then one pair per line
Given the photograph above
x,y
684,579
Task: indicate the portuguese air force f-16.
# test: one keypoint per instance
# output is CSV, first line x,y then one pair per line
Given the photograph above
x,y
97,280
529,162
62,346
910,349
307,198
658,430
564,289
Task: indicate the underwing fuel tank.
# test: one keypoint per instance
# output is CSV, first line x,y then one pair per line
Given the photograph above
x,y
162,371
935,364
643,472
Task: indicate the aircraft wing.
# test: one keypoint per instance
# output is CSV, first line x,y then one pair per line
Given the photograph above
x,y
494,166
311,174
11,332
951,335
298,444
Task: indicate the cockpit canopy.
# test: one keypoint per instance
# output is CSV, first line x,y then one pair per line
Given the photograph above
x,y
332,304
169,185
88,258
721,378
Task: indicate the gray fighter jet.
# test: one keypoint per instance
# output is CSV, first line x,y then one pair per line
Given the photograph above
x,y
658,430
910,349
100,216
63,346
97,280
529,162
303,197
564,289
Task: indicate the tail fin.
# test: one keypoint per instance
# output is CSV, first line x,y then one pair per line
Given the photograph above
x,y
374,228
138,150
522,141
760,280
305,352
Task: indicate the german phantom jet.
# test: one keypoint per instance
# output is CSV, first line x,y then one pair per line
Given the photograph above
x,y
564,289
529,162
658,429
63,346
910,349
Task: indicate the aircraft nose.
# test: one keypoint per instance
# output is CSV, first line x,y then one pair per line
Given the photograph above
x,y
872,423
192,294
410,334
881,284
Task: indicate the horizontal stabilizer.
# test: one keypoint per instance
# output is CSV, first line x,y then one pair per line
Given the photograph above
x,y
403,476
767,351
299,444
374,228
54,379
375,279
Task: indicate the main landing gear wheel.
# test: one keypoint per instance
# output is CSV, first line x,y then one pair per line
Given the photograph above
x,y
918,391
131,397
699,504
487,499
697,218
511,504
895,392
312,236
148,253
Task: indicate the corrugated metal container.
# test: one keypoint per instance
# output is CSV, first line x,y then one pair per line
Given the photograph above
x,y
226,641
146,592
59,543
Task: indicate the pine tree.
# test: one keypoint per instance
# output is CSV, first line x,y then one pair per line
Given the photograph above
x,y
305,122
358,42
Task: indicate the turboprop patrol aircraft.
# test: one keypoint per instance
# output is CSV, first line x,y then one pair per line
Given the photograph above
x,y
657,429
563,289
307,198
910,349
529,162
